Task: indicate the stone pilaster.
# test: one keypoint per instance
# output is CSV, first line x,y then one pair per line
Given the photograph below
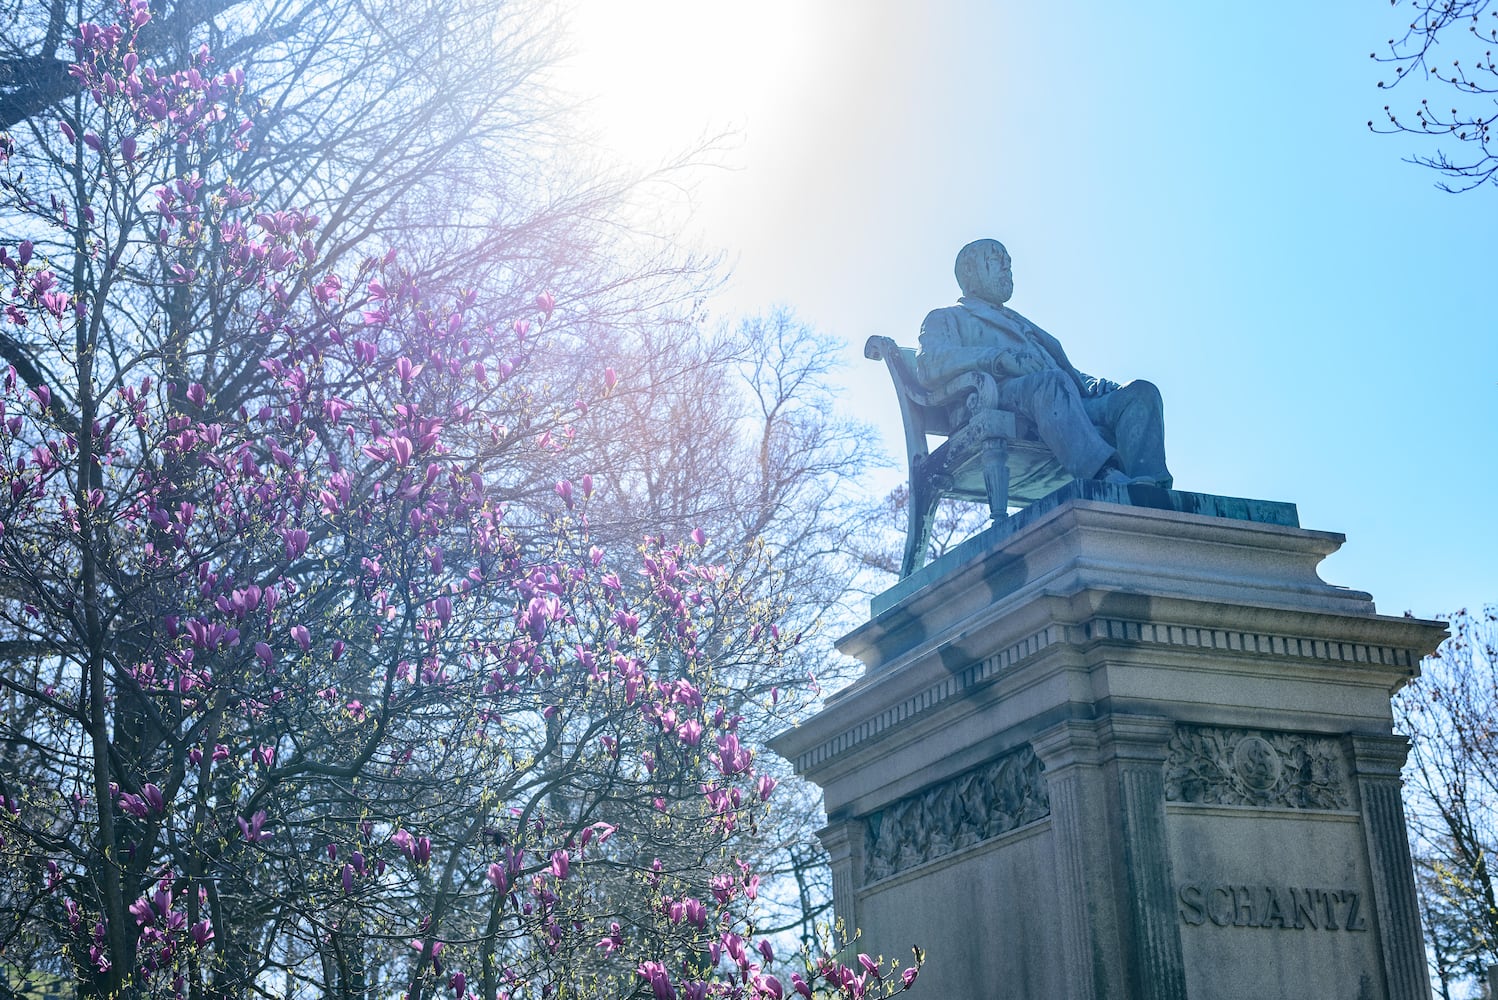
x,y
844,844
1074,778
1139,745
1376,762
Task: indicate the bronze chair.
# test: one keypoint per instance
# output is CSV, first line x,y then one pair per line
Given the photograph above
x,y
990,454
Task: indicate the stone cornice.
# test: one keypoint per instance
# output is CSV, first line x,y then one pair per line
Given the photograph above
x,y
956,685
1085,546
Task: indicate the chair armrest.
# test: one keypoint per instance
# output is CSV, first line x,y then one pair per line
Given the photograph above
x,y
936,411
979,390
878,348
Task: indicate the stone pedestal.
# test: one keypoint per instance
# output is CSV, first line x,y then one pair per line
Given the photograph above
x,y
1116,752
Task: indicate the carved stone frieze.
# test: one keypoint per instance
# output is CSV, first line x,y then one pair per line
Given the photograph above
x,y
976,805
1246,767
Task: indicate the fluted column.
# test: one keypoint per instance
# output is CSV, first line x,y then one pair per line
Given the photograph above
x,y
1138,744
844,844
1376,761
1084,882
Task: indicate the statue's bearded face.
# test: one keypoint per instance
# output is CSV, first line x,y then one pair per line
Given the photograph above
x,y
985,272
998,277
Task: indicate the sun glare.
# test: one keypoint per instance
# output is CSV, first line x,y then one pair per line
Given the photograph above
x,y
659,76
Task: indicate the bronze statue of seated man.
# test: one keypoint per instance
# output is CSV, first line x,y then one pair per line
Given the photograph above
x,y
1097,429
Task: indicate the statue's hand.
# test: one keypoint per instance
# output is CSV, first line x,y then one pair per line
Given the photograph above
x,y
1012,364
1094,386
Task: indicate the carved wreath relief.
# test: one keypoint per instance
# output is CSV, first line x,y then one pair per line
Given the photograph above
x,y
1240,767
974,806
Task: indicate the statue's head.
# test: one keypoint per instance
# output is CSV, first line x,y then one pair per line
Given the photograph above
x,y
983,271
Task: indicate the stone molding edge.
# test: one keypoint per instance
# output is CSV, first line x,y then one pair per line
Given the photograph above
x,y
1266,645
979,805
1149,502
1174,808
978,674
1252,643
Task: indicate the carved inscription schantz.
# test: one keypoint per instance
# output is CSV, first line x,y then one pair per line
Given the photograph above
x,y
1272,906
974,806
1241,767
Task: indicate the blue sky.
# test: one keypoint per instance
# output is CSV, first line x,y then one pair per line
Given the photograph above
x,y
1190,193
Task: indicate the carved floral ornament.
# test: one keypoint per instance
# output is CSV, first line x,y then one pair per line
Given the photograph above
x,y
975,806
1242,767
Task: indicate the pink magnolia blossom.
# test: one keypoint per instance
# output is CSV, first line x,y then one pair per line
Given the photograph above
x,y
655,974
251,830
403,840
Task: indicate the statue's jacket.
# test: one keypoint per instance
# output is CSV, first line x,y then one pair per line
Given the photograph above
x,y
971,335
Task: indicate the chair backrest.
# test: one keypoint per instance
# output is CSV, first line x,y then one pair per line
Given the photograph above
x,y
919,415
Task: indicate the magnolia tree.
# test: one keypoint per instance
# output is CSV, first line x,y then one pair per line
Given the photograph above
x,y
295,703
368,116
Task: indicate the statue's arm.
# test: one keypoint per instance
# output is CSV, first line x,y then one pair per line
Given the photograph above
x,y
943,356
1087,385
